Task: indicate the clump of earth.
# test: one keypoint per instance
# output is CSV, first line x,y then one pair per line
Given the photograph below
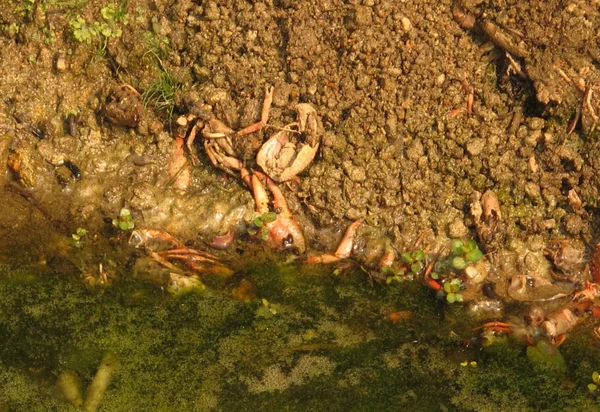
x,y
421,112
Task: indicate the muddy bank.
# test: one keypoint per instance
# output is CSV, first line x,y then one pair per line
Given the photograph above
x,y
398,150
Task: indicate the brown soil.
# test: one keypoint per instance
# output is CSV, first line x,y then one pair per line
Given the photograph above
x,y
389,80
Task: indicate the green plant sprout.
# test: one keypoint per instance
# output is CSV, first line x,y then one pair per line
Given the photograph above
x,y
82,32
116,14
468,251
113,15
71,3
161,93
141,15
78,237
268,305
448,271
49,36
259,222
157,46
13,29
415,260
460,262
451,291
394,273
25,8
412,264
593,387
125,220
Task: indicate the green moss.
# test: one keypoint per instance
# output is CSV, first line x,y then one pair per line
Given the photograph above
x,y
328,346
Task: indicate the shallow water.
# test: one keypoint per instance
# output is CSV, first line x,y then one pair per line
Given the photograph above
x,y
319,342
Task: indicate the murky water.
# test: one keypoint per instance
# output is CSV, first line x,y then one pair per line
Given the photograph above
x,y
307,341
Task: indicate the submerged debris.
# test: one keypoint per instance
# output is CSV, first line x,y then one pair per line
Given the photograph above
x,y
70,386
95,392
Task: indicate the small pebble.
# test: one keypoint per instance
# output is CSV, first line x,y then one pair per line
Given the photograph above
x,y
440,79
61,64
532,164
533,190
475,146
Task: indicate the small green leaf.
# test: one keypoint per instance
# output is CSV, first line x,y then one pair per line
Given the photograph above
x,y
474,255
389,280
77,23
592,387
416,267
123,225
470,245
447,287
407,258
451,298
269,217
95,28
108,12
434,275
105,30
596,377
418,255
459,263
258,221
457,246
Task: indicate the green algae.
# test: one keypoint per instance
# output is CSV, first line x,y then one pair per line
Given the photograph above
x,y
330,345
